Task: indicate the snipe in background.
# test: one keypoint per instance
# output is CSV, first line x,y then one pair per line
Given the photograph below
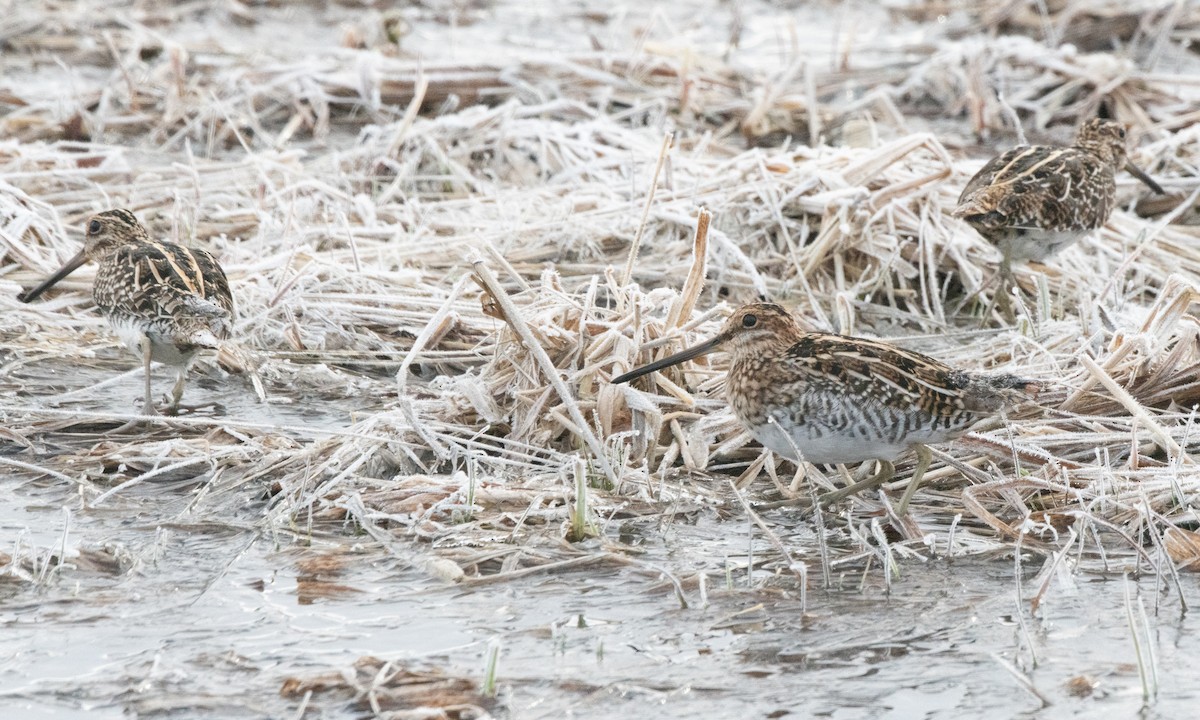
x,y
1033,201
166,302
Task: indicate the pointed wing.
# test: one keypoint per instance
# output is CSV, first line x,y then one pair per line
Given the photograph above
x,y
999,165
882,374
166,284
879,374
1032,187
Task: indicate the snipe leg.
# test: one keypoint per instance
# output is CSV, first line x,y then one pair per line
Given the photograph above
x,y
1007,282
1002,298
886,471
924,457
148,404
177,390
148,409
1004,295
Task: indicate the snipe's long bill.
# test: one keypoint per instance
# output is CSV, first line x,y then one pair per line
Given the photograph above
x,y
167,302
72,265
828,399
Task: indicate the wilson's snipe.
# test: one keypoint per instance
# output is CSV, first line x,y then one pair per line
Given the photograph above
x,y
829,398
1035,200
165,301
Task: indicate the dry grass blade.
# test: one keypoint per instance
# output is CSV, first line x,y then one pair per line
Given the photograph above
x,y
513,317
634,249
448,225
1175,452
1184,548
343,187
682,310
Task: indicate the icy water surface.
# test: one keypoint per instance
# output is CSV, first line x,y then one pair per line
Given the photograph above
x,y
174,598
165,610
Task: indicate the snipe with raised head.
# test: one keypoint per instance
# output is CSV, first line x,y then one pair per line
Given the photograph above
x,y
166,302
1035,200
830,399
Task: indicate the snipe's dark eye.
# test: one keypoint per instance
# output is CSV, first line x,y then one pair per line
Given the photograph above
x,y
749,321
1121,133
93,227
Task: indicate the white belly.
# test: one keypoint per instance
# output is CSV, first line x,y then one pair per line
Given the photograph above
x,y
134,333
824,449
1037,245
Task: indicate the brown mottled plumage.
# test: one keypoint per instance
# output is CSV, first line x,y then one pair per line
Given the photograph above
x,y
1035,200
167,302
828,398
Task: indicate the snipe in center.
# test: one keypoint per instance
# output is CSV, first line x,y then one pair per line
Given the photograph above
x,y
829,399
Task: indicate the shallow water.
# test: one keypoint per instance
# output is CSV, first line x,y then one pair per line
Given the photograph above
x,y
174,600
162,611
178,600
